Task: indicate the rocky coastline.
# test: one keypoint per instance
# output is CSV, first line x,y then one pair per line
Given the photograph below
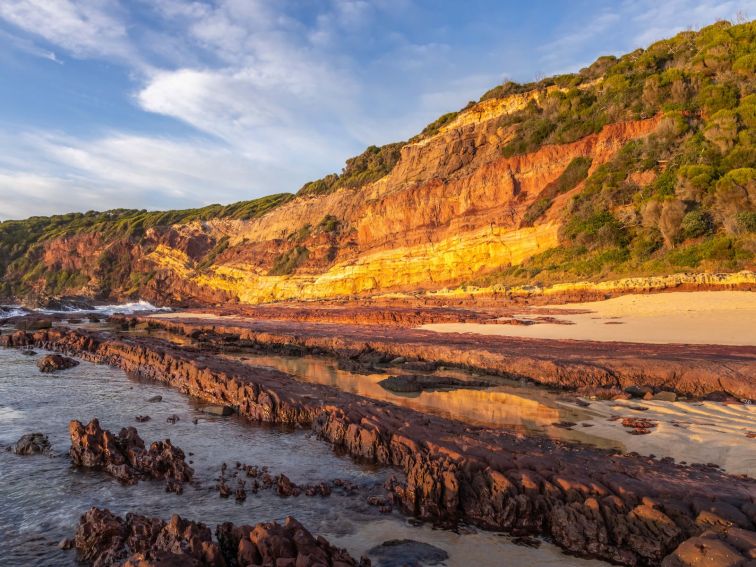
x,y
626,509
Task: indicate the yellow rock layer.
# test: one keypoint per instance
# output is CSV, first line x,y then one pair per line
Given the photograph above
x,y
452,259
636,284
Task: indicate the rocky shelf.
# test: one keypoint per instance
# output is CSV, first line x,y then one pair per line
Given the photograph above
x,y
623,508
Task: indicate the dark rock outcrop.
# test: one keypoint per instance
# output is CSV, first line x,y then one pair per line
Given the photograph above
x,y
692,370
103,539
410,383
31,443
55,362
408,553
125,457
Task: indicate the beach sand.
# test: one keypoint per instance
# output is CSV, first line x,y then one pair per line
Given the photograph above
x,y
698,317
698,432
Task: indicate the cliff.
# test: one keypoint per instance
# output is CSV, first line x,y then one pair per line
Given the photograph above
x,y
584,176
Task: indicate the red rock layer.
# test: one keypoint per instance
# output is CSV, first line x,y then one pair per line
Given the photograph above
x,y
692,370
622,508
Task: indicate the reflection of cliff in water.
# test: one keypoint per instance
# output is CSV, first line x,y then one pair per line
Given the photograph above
x,y
508,404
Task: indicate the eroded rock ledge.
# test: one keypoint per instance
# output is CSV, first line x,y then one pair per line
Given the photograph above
x,y
690,370
104,539
623,508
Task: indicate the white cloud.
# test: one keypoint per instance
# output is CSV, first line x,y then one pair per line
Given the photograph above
x,y
82,27
122,171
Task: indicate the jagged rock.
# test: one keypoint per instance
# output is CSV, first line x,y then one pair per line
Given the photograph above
x,y
104,539
623,508
407,553
28,352
54,362
32,443
290,544
124,456
284,486
155,399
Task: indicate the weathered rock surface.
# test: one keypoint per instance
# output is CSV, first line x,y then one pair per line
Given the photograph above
x,y
624,508
31,443
418,383
287,544
731,547
125,457
55,362
103,539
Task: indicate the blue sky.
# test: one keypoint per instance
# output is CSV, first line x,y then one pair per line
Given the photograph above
x,y
171,103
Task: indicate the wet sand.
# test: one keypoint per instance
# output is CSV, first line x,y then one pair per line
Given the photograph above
x,y
701,317
697,432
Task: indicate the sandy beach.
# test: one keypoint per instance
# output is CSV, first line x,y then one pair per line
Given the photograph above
x,y
701,317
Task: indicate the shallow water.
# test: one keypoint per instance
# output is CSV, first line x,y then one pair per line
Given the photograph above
x,y
508,404
41,498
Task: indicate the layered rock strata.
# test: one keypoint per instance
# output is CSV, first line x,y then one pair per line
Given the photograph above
x,y
691,370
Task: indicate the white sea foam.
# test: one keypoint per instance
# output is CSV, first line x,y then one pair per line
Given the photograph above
x,y
125,308
132,307
11,311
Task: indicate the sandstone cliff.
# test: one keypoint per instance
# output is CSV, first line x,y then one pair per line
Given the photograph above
x,y
623,169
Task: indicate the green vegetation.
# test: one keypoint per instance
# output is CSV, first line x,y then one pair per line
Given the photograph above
x,y
370,165
329,224
696,208
287,262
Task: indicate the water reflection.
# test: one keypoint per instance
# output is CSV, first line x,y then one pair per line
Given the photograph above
x,y
508,404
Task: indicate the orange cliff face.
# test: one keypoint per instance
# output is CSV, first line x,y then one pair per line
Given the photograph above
x,y
449,210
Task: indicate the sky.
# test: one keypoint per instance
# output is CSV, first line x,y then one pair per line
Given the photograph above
x,y
157,104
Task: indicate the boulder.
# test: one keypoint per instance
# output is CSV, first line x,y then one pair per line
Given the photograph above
x,y
714,549
32,443
104,539
223,411
665,396
408,553
54,362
